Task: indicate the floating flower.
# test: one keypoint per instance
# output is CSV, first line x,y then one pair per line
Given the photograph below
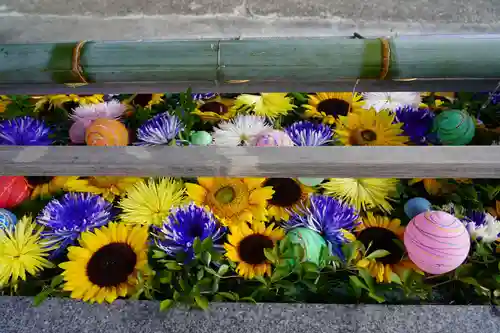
x,y
330,218
183,225
107,263
236,200
46,186
369,128
59,101
215,109
383,233
482,226
24,131
289,195
363,193
246,247
306,133
159,130
391,100
328,106
65,219
240,131
270,105
146,101
150,201
21,252
417,123
107,186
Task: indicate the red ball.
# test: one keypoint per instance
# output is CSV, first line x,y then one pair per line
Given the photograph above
x,y
13,191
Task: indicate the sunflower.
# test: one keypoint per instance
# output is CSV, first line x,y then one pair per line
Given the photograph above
x,y
107,186
145,100
21,252
328,106
363,193
370,128
495,211
107,263
246,247
269,105
289,195
235,200
4,102
59,101
215,109
383,233
44,187
150,201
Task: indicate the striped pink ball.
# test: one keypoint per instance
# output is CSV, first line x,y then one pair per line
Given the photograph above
x,y
437,242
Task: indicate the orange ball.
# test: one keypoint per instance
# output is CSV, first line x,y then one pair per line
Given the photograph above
x,y
106,132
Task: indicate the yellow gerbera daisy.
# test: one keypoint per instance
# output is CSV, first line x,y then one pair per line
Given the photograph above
x,y
270,105
246,247
145,100
4,102
149,201
383,233
236,200
59,100
369,128
107,186
46,186
328,106
363,193
21,252
107,263
215,109
289,194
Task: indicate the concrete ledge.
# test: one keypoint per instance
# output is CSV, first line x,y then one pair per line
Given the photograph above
x,y
67,316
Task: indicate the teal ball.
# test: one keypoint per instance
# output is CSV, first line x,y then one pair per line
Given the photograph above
x,y
7,219
310,241
201,138
415,206
454,127
310,181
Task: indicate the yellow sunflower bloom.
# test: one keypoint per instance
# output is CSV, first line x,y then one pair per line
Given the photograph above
x,y
147,101
4,102
383,233
270,105
59,100
328,106
107,186
22,252
150,201
107,263
246,247
369,128
289,195
45,187
363,193
236,200
215,109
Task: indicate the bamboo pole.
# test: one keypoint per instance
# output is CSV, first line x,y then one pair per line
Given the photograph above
x,y
253,65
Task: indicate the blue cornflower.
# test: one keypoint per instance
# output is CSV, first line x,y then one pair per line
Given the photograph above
x,y
66,218
203,96
306,133
24,131
159,130
183,225
417,123
327,216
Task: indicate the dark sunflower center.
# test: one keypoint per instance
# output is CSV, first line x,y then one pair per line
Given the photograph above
x,y
142,99
215,107
286,191
334,107
251,249
382,239
225,195
111,265
38,180
369,135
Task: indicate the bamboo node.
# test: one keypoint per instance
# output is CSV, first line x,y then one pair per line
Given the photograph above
x,y
386,58
76,67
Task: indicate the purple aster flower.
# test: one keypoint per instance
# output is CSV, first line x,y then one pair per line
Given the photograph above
x,y
24,131
183,225
203,97
159,130
482,226
66,218
327,216
306,133
417,123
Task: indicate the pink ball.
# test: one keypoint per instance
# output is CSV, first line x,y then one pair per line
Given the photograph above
x,y
273,138
77,130
437,242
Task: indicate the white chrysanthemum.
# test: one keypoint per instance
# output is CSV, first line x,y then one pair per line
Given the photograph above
x,y
391,100
486,232
111,110
239,131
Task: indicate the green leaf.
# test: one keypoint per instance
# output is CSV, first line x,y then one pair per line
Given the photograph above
x,y
215,285
197,246
311,286
56,281
41,297
159,254
279,273
356,282
229,295
166,304
309,267
400,244
223,269
177,296
207,244
200,274
206,258
270,255
173,266
261,279
166,277
248,299
471,281
202,302
378,254
405,274
369,280
376,297
395,278
210,270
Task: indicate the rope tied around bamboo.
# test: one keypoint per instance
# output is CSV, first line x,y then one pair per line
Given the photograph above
x,y
76,67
